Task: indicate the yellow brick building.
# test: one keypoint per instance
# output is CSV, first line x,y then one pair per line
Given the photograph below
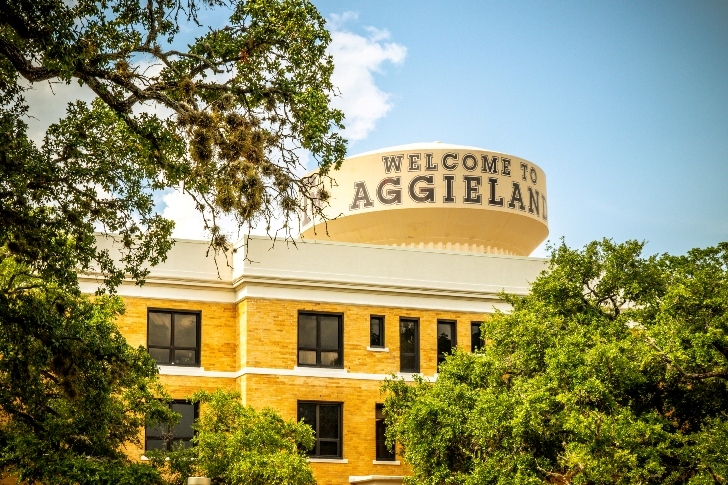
x,y
313,329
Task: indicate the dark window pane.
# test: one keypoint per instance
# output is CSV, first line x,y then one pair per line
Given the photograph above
x,y
407,342
159,438
383,453
375,332
160,329
329,332
328,422
158,430
408,363
173,337
184,428
409,345
185,357
180,444
324,419
307,414
307,331
185,330
475,337
445,333
329,448
319,340
307,357
380,430
154,445
330,359
160,355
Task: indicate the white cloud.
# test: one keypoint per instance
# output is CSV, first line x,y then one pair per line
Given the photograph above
x,y
336,21
151,69
180,208
375,35
47,102
356,59
188,223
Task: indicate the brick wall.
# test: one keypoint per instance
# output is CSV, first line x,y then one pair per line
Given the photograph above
x,y
219,333
276,321
259,333
358,398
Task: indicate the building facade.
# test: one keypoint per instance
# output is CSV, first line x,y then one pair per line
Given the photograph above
x,y
312,329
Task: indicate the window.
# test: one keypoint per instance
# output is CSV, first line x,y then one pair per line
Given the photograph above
x,y
376,331
446,339
476,340
320,340
409,345
382,452
162,438
173,338
325,419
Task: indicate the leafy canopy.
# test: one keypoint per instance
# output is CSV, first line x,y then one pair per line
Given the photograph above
x,y
224,119
613,370
237,445
73,393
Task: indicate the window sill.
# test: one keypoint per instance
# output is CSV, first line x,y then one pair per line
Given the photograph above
x,y
145,458
333,370
181,370
328,460
386,462
377,349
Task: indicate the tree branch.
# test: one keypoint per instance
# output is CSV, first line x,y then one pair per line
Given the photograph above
x,y
23,65
722,374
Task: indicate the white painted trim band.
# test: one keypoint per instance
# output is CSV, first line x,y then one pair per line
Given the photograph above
x,y
328,460
378,349
171,370
375,478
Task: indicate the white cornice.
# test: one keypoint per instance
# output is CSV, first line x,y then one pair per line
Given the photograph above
x,y
337,273
307,290
292,282
434,288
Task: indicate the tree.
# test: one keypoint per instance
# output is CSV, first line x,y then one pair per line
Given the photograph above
x,y
73,393
239,104
612,370
236,445
241,101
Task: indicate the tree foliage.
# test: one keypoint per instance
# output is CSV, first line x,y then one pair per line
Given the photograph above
x,y
236,445
612,370
73,393
224,119
232,112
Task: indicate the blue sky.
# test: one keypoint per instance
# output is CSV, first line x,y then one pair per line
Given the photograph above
x,y
623,104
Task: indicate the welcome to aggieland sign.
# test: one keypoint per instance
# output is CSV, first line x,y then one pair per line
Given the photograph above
x,y
421,188
439,196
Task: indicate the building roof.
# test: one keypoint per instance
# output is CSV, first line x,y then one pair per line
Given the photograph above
x,y
335,272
